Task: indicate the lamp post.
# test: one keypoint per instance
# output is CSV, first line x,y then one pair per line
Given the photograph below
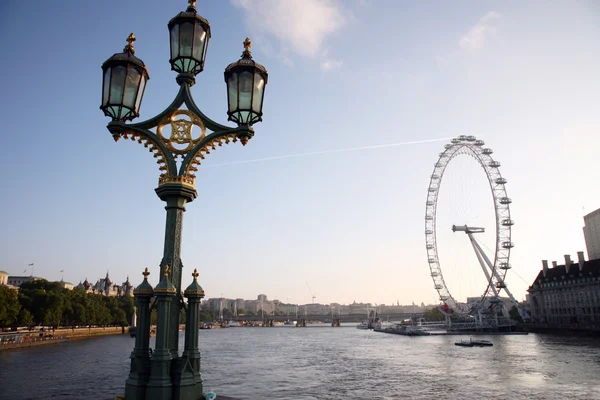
x,y
183,135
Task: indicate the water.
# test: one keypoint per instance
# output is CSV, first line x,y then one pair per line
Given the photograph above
x,y
325,363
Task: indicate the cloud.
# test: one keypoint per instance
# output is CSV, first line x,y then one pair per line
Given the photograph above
x,y
477,36
328,65
300,27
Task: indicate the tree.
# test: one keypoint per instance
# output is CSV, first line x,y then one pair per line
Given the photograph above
x,y
227,314
126,304
434,314
49,303
514,314
206,316
9,307
25,318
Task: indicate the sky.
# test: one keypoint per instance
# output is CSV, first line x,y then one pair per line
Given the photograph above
x,y
385,82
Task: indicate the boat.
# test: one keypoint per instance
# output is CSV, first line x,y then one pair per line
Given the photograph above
x,y
363,325
233,323
407,328
474,343
366,324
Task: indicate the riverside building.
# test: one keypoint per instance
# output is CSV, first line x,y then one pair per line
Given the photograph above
x,y
568,295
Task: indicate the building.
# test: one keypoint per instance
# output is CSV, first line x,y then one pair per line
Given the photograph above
x,y
3,278
106,287
18,280
591,233
66,285
567,295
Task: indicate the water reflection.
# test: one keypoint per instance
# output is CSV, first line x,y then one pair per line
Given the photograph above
x,y
325,363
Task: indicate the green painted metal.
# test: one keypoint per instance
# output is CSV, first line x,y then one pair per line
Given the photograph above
x,y
135,386
190,382
160,386
167,376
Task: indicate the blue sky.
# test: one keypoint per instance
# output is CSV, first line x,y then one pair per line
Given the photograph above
x,y
342,74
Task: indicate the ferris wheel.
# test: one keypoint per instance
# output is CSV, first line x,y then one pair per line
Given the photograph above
x,y
495,267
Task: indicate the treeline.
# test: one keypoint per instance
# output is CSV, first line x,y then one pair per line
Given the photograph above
x,y
47,303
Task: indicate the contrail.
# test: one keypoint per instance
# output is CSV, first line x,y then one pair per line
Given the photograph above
x,y
314,153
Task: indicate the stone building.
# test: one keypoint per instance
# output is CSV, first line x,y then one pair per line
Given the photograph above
x,y
567,295
106,287
15,280
66,285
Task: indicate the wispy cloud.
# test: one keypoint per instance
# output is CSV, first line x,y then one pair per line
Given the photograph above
x,y
477,36
299,27
328,65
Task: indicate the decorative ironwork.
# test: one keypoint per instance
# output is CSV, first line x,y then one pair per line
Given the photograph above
x,y
149,144
181,131
247,46
195,274
204,150
185,180
146,273
130,40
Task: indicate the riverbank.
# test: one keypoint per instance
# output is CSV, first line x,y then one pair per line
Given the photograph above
x,y
562,329
23,339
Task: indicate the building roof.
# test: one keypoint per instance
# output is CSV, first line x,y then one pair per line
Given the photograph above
x,y
592,214
590,268
25,277
3,273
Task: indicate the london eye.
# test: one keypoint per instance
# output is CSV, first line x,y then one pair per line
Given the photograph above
x,y
495,264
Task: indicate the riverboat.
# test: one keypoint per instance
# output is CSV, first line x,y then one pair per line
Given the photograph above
x,y
363,325
474,343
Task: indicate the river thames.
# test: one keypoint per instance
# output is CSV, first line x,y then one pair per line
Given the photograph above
x,y
324,363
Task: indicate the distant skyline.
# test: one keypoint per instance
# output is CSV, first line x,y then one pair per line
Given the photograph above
x,y
301,203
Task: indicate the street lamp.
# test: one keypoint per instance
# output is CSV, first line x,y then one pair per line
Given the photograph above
x,y
186,135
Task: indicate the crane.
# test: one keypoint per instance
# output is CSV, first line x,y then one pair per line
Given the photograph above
x,y
311,293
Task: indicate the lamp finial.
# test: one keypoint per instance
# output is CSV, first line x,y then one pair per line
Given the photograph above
x,y
247,45
129,48
192,6
195,274
166,272
145,273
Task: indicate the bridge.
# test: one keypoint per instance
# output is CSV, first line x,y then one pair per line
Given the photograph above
x,y
327,317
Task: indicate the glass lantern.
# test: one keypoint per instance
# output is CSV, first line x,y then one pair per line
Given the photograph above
x,y
189,34
246,80
123,84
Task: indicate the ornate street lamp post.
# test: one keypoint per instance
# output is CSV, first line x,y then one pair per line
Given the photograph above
x,y
170,137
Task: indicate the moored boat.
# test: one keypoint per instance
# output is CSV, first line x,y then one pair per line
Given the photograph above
x,y
473,343
363,325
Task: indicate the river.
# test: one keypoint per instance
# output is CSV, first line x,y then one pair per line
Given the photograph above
x,y
324,363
